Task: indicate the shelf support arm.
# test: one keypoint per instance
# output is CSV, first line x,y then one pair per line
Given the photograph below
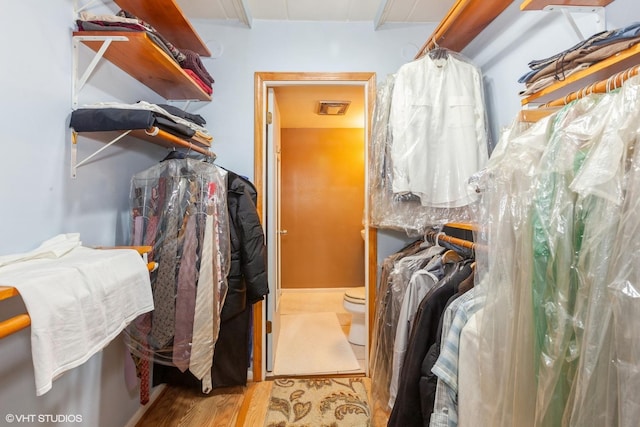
x,y
567,11
78,83
74,151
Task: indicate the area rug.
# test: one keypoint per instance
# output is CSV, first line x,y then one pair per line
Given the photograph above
x,y
313,344
318,402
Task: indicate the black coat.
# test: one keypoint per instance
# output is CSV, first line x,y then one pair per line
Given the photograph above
x,y
247,277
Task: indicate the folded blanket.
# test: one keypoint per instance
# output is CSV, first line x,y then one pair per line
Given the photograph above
x,y
78,302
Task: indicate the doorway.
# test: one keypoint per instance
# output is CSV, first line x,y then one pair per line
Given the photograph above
x,y
267,171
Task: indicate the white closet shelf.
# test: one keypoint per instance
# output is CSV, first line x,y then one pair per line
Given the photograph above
x,y
137,55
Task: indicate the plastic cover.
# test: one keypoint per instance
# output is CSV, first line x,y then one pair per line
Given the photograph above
x,y
394,278
195,191
429,138
558,213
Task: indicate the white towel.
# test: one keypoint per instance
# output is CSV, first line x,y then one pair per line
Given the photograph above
x,y
78,303
53,248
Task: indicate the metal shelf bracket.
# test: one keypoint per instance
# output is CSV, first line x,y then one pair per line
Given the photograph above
x,y
74,151
79,82
568,12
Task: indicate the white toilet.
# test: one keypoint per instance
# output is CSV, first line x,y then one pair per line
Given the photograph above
x,y
353,301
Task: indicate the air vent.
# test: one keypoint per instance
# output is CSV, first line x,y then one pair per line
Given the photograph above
x,y
333,108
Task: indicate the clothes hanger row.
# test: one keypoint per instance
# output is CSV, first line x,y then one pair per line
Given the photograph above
x,y
614,82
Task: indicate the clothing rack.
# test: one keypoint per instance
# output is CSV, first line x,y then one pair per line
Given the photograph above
x,y
602,86
435,237
23,320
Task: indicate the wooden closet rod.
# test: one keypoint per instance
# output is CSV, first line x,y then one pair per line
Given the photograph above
x,y
15,323
434,237
602,86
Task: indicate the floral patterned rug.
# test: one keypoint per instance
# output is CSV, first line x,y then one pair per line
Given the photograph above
x,y
318,402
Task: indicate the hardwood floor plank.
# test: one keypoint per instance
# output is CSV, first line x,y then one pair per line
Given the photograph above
x,y
255,405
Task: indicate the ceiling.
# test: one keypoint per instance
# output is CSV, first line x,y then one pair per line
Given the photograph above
x,y
298,104
378,12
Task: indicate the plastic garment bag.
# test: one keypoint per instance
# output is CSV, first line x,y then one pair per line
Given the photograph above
x,y
504,269
624,286
384,328
438,125
429,138
555,241
194,193
599,185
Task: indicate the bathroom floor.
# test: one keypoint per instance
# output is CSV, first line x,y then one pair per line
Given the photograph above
x,y
295,301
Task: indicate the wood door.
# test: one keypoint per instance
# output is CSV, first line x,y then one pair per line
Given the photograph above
x,y
322,208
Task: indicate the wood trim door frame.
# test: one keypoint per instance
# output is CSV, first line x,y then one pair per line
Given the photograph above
x,y
262,81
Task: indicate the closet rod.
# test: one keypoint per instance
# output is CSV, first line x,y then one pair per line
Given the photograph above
x,y
434,237
602,86
15,323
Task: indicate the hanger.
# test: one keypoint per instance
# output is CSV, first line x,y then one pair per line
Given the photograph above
x,y
437,52
450,257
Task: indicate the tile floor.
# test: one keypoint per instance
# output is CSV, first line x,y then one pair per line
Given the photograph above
x,y
321,300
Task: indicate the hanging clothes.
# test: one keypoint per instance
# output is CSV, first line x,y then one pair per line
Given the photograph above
x,y
438,127
556,206
429,139
182,203
247,284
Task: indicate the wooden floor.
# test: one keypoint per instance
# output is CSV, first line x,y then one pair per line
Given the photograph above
x,y
229,407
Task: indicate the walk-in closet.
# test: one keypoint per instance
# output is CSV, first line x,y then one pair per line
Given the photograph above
x,y
284,213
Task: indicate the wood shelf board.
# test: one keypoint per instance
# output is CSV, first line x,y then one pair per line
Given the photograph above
x,y
599,71
166,17
541,4
163,139
7,292
464,21
141,58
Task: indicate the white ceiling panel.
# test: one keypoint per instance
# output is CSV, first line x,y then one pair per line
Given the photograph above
x,y
269,9
430,10
313,10
395,11
204,9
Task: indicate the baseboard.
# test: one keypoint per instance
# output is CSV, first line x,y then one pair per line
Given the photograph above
x,y
137,416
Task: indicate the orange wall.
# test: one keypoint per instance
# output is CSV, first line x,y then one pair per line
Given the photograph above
x,y
322,208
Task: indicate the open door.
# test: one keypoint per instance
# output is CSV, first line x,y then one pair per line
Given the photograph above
x,y
274,229
265,180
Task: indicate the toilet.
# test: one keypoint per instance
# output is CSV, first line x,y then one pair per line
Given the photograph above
x,y
353,301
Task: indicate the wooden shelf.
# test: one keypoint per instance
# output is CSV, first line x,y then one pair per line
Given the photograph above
x,y
166,17
145,61
541,4
598,71
464,21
